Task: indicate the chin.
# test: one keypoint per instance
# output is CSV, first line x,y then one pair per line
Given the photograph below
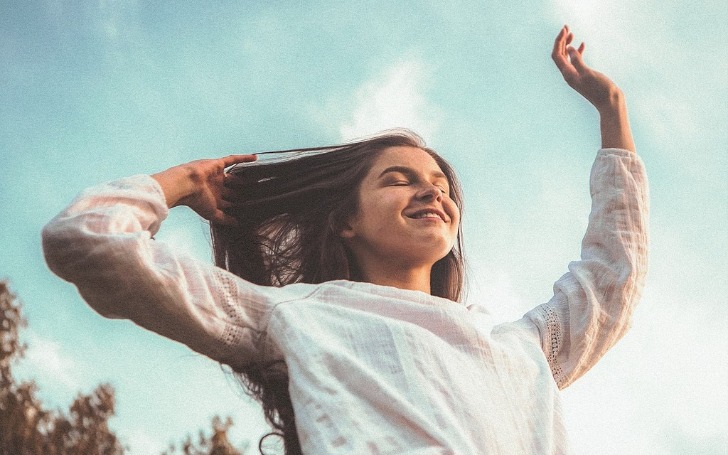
x,y
433,258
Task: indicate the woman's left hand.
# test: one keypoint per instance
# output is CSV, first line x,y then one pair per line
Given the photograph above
x,y
597,88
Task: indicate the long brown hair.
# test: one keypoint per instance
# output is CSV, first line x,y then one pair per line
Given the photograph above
x,y
292,210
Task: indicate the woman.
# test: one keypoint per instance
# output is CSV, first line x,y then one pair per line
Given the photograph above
x,y
340,312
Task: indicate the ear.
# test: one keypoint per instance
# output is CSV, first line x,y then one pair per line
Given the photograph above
x,y
347,231
343,229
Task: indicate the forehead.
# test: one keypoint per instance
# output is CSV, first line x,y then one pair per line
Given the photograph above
x,y
405,156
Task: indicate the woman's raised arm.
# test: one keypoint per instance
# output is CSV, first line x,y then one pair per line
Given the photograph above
x,y
103,243
597,88
593,302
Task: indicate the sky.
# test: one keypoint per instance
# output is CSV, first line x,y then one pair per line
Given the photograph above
x,y
93,91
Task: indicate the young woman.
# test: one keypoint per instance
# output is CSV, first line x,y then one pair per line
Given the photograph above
x,y
338,274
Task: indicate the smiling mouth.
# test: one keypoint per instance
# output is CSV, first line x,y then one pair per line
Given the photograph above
x,y
427,214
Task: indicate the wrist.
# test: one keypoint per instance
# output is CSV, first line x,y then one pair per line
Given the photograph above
x,y
614,124
177,183
613,105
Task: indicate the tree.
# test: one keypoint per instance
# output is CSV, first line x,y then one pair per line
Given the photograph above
x,y
216,444
28,428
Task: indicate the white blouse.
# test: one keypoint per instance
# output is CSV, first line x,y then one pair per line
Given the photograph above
x,y
374,369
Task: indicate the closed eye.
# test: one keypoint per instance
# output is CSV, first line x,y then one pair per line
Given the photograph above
x,y
403,176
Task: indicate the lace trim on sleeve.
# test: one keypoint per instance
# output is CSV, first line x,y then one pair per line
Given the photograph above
x,y
232,336
552,339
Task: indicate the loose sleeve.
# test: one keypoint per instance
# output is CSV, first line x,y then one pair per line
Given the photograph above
x,y
593,303
103,243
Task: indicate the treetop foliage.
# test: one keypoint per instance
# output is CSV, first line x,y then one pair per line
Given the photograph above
x,y
28,428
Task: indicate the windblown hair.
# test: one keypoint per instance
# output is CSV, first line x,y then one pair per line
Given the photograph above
x,y
292,210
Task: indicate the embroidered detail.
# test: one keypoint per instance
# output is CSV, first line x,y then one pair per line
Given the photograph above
x,y
231,336
233,333
553,339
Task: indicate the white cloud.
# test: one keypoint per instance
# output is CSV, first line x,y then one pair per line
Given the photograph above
x,y
45,361
673,359
117,27
493,288
139,441
113,17
186,233
605,26
668,117
635,400
675,90
393,99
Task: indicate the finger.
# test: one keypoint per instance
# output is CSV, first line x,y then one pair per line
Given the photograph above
x,y
230,208
581,48
559,43
223,218
234,159
237,180
559,52
576,59
231,195
227,193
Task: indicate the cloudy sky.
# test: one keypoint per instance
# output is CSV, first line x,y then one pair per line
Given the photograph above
x,y
92,91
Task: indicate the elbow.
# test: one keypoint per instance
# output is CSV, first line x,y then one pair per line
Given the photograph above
x,y
633,272
620,293
618,269
74,253
66,249
97,267
626,281
54,245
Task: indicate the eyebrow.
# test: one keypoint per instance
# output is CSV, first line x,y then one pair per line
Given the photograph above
x,y
408,171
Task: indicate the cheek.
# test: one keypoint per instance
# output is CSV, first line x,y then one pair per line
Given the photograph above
x,y
453,211
381,207
374,216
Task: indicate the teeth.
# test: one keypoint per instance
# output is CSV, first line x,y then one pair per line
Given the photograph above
x,y
427,215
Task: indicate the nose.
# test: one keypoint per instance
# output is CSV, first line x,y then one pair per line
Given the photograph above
x,y
430,192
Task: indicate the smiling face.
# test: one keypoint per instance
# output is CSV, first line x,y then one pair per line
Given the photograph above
x,y
406,218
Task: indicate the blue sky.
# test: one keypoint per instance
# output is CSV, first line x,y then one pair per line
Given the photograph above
x,y
92,91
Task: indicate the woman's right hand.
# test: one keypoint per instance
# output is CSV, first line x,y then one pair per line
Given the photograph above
x,y
200,186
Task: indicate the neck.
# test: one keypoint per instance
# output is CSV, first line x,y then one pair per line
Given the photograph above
x,y
411,278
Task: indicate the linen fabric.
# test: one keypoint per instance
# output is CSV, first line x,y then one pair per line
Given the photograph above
x,y
374,369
